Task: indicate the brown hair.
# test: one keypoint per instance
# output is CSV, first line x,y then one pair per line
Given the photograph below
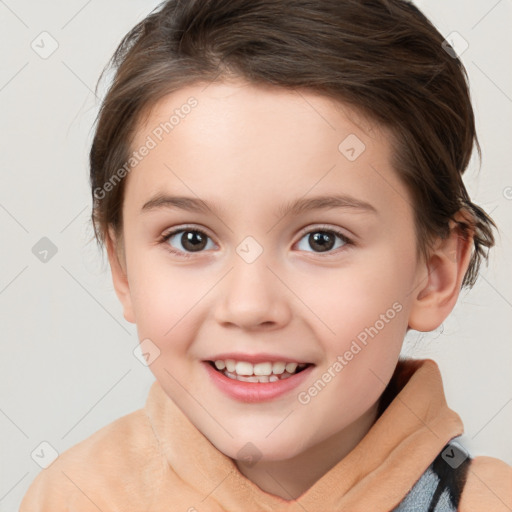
x,y
383,57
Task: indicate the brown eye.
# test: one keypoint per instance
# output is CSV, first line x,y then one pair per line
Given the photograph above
x,y
190,240
323,240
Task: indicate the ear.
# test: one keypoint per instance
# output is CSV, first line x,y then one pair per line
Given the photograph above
x,y
440,278
119,274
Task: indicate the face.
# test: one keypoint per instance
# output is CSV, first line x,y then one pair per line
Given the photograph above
x,y
295,244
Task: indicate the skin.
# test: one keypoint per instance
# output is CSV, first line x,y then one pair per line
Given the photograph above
x,y
251,149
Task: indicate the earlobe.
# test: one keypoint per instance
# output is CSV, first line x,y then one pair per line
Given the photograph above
x,y
440,278
119,276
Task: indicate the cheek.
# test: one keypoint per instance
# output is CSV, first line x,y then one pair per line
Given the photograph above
x,y
349,299
163,298
375,318
369,319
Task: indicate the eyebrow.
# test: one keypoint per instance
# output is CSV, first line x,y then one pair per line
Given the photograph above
x,y
296,207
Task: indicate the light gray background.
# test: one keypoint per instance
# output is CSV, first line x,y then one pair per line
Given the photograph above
x,y
67,365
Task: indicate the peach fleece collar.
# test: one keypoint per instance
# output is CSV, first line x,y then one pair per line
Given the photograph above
x,y
375,475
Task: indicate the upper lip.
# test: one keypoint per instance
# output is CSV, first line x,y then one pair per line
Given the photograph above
x,y
256,358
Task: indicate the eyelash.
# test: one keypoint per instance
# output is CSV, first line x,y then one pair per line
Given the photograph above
x,y
321,229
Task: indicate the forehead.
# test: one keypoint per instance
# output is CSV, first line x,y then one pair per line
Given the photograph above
x,y
257,109
236,141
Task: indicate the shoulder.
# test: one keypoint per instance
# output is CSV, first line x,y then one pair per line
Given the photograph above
x,y
456,482
120,457
488,486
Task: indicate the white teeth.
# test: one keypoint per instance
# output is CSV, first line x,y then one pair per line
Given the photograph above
x,y
257,378
243,368
252,378
291,367
278,368
263,369
259,372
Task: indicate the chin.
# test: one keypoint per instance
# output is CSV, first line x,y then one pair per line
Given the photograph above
x,y
259,448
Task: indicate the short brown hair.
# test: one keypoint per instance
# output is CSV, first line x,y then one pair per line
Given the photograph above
x,y
383,57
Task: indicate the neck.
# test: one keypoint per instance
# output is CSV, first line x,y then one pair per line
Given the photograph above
x,y
290,478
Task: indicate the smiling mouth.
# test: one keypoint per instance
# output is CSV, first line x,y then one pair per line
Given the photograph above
x,y
260,372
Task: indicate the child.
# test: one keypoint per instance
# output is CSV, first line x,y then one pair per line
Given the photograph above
x,y
316,149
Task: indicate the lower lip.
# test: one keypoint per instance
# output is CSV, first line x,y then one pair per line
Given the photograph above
x,y
256,391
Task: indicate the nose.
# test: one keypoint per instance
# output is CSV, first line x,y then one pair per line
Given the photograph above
x,y
252,297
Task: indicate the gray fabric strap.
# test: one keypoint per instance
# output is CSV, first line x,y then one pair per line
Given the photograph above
x,y
439,488
420,496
